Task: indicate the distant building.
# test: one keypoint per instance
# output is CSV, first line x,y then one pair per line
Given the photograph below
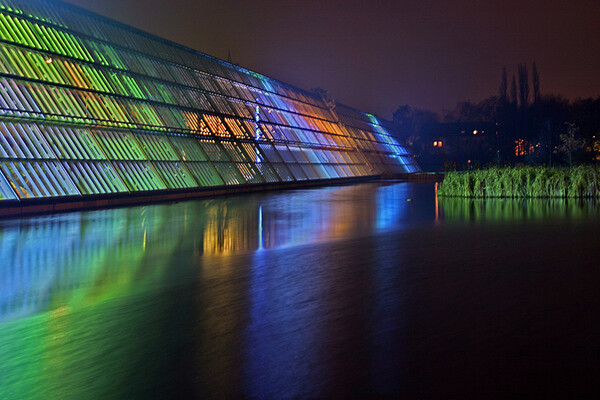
x,y
457,145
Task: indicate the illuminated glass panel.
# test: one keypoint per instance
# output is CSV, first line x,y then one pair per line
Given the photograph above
x,y
250,174
23,141
94,177
216,125
72,143
267,172
229,173
205,173
251,151
283,171
341,171
297,171
329,170
119,145
175,175
32,179
213,150
200,101
269,152
310,171
156,146
238,129
235,152
139,176
188,148
285,153
298,154
6,192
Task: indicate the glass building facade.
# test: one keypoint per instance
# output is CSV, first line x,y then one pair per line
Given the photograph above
x,y
91,108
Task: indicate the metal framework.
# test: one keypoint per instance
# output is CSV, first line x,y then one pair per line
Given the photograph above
x,y
91,107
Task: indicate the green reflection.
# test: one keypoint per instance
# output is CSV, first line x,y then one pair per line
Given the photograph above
x,y
495,209
96,304
79,302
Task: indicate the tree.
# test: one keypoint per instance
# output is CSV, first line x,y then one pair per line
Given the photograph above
x,y
570,142
536,84
417,128
410,121
504,87
523,85
513,90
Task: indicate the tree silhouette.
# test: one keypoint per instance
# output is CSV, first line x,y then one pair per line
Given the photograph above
x,y
570,142
504,87
523,85
513,91
536,84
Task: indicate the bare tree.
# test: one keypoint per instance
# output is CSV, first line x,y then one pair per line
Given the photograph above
x,y
570,142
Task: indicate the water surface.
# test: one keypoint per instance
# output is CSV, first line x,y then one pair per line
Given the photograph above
x,y
370,290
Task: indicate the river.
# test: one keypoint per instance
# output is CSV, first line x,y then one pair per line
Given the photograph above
x,y
374,290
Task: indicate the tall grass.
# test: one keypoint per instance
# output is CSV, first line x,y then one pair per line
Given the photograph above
x,y
523,182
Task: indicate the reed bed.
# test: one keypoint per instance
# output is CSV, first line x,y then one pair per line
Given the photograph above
x,y
523,182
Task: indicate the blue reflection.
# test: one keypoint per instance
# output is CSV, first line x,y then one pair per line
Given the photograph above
x,y
285,308
391,205
260,228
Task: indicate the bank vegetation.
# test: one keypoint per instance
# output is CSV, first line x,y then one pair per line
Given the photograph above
x,y
523,182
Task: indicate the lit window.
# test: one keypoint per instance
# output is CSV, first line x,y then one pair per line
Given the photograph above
x,y
522,147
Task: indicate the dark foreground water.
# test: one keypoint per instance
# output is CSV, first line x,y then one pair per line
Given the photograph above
x,y
344,292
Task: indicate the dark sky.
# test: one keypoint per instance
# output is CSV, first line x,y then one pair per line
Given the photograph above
x,y
376,55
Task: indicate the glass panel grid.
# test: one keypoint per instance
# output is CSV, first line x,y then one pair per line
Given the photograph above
x,y
96,91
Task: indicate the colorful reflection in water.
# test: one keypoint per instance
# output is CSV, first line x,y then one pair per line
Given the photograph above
x,y
64,278
347,291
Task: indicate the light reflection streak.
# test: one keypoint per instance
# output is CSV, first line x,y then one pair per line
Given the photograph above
x,y
437,205
260,228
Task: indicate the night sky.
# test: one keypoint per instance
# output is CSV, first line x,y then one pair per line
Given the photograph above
x,y
376,55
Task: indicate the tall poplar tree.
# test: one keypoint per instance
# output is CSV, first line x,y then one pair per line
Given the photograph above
x,y
523,85
513,91
504,87
536,84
